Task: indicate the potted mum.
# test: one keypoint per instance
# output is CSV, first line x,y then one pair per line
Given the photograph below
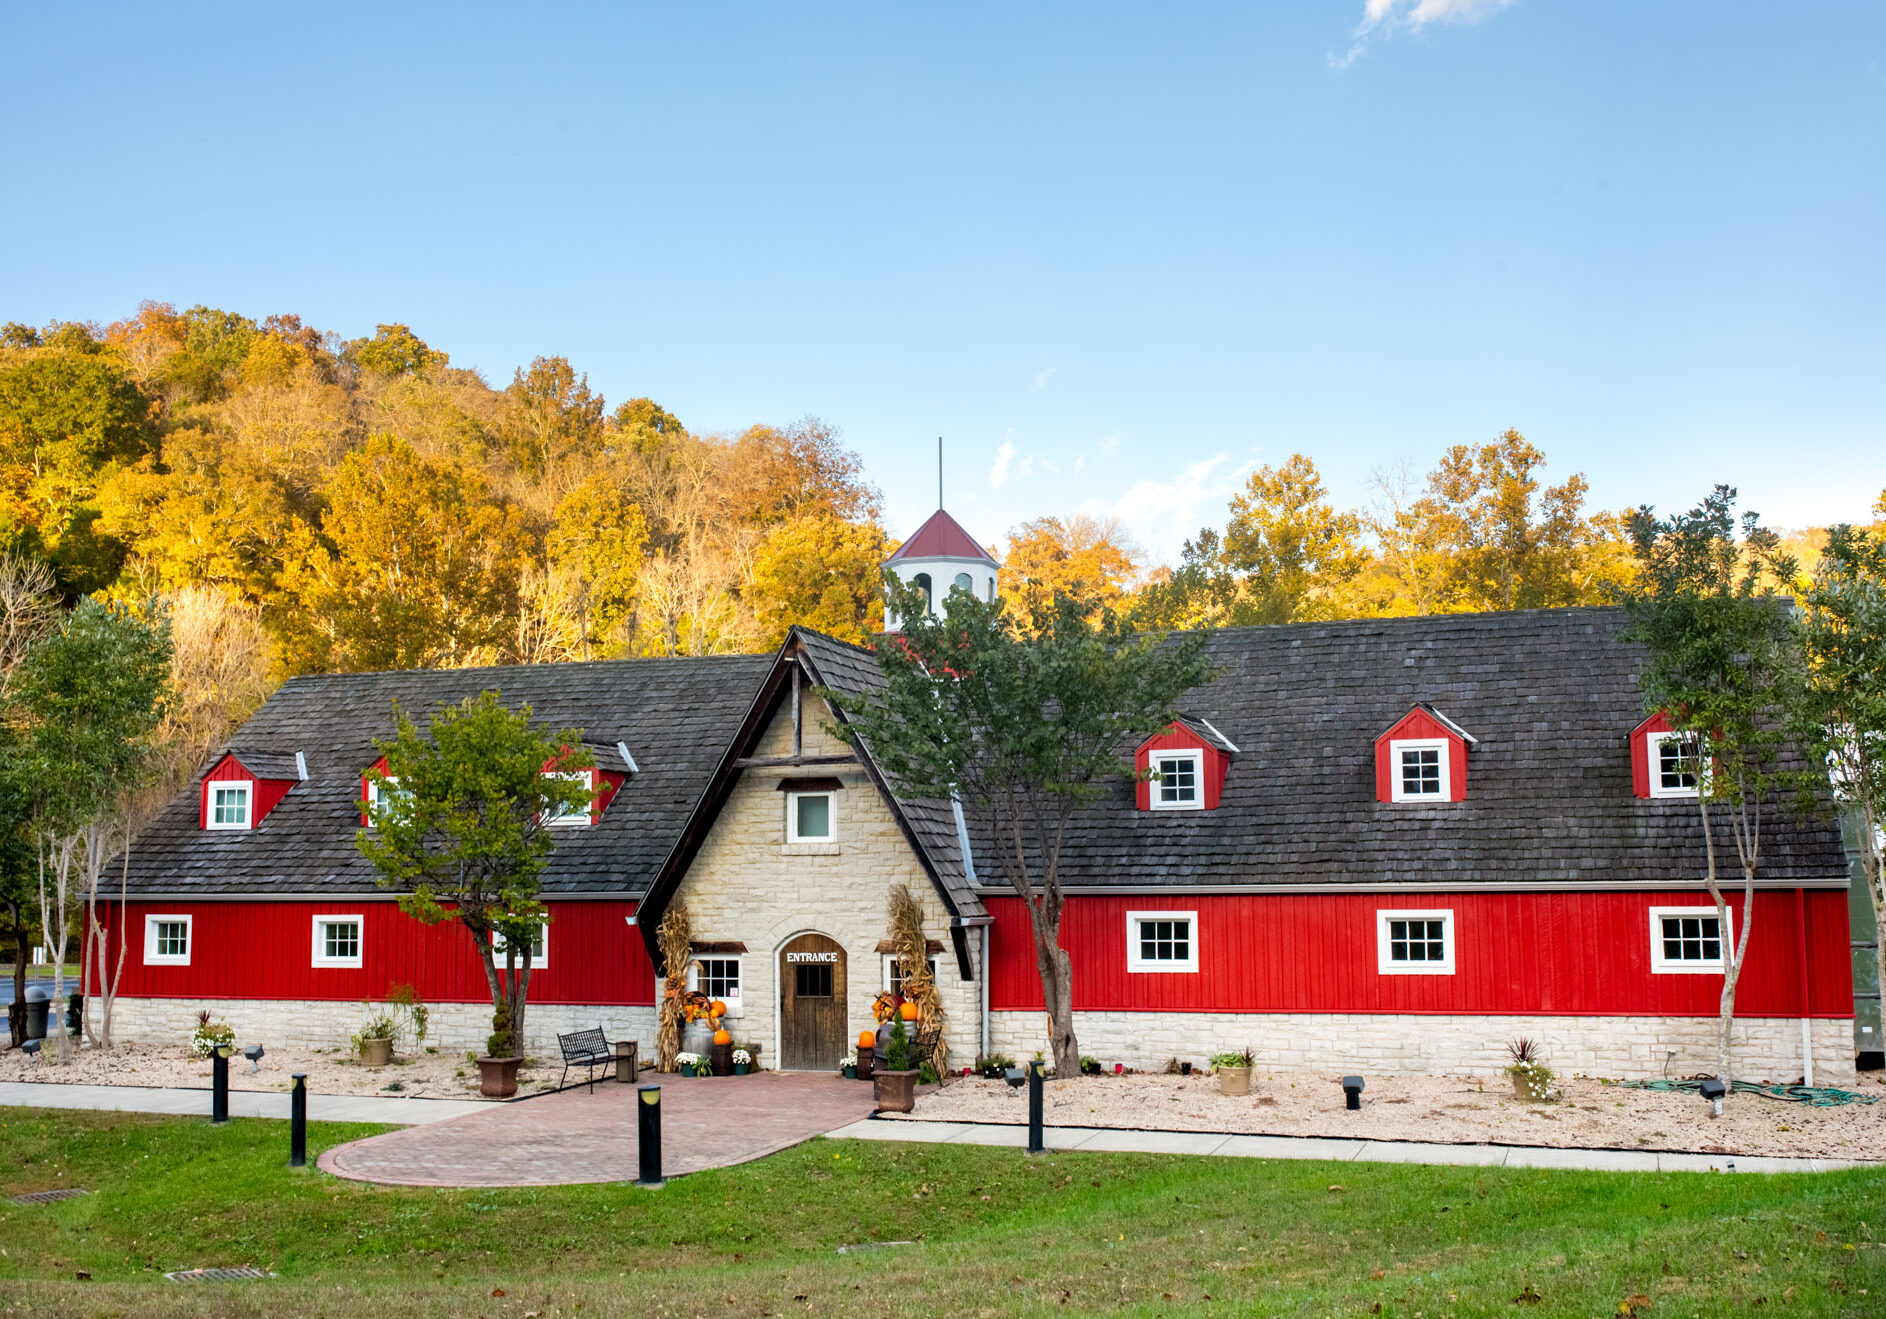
x,y
742,1062
209,1036
690,1064
895,1084
1531,1078
848,1066
1234,1071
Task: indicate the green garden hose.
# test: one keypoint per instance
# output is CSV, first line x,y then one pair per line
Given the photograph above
x,y
1814,1096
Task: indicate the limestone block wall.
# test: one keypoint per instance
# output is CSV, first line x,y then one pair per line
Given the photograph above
x,y
1765,1048
327,1024
749,884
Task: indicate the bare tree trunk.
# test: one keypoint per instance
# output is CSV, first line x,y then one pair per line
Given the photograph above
x,y
1874,873
55,920
110,991
1057,992
1725,1015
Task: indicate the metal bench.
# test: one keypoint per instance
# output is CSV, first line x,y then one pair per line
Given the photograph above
x,y
585,1048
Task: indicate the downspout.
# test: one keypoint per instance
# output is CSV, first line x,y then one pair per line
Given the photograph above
x,y
982,940
1807,1043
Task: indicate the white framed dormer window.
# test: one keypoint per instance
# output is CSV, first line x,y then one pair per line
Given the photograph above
x,y
895,982
1414,943
1673,764
1420,769
338,940
167,940
718,977
384,796
1162,941
557,817
811,817
232,803
1180,783
1692,940
539,947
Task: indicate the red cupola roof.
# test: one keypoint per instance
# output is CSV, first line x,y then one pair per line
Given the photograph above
x,y
942,537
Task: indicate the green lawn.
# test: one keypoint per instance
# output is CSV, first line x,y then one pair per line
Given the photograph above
x,y
997,1233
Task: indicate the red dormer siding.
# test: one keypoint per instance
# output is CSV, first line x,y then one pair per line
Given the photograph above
x,y
1640,751
1419,725
1179,737
267,795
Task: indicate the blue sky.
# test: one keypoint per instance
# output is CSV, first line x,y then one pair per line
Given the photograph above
x,y
1113,254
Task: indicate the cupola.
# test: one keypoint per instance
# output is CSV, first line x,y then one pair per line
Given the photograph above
x,y
938,557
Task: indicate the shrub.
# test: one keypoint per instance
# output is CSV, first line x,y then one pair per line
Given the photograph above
x,y
1239,1058
211,1035
1529,1068
1090,1065
897,1054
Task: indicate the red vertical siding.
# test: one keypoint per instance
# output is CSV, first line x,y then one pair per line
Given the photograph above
x,y
1640,752
1564,954
265,950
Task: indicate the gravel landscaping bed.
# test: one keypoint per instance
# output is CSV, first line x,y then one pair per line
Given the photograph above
x,y
1584,1113
442,1075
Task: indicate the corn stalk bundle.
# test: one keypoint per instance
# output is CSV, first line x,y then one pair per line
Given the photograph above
x,y
912,952
676,936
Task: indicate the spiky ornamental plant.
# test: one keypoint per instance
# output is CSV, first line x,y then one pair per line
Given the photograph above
x,y
1724,665
1024,722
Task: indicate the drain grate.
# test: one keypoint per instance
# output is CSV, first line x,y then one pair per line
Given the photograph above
x,y
48,1197
242,1274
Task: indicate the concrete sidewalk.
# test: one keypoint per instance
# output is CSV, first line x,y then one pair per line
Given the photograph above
x,y
1118,1139
179,1102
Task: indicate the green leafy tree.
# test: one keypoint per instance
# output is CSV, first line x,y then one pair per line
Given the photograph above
x,y
1024,722
461,828
1295,552
1844,628
394,350
1724,666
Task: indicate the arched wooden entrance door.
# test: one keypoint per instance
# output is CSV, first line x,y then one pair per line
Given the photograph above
x,y
811,1004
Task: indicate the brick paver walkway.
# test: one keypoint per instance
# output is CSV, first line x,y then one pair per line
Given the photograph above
x,y
576,1136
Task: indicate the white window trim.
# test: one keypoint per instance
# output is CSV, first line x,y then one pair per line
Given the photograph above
x,y
1197,757
342,918
1653,743
538,961
734,1001
1399,745
792,816
890,964
1388,967
1135,963
376,790
581,819
1661,965
154,958
248,803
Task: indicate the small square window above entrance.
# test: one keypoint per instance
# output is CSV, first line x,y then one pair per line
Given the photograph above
x,y
811,817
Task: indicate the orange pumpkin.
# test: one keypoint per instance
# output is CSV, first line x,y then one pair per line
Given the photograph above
x,y
867,1039
908,1011
718,1008
723,1037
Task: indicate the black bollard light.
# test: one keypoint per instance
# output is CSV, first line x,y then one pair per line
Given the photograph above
x,y
298,1122
648,1135
1352,1093
1035,1069
219,1085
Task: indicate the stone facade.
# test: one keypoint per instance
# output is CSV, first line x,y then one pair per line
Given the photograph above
x,y
748,884
328,1023
1765,1048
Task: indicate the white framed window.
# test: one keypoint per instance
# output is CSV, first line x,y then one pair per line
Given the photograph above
x,y
556,816
232,803
1692,940
338,940
1419,767
718,977
1180,781
1162,941
539,946
895,982
811,817
1414,943
1674,766
385,796
167,940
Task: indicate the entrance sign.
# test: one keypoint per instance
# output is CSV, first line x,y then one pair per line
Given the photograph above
x,y
794,958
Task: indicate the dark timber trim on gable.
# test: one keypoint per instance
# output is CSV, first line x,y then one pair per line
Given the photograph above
x,y
791,667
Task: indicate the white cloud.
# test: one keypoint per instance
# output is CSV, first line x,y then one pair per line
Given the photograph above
x,y
1043,377
1163,514
1109,443
1006,471
1380,18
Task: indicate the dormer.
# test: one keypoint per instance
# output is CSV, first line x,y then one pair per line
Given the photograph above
x,y
613,768
1182,767
242,787
1663,761
940,557
1422,757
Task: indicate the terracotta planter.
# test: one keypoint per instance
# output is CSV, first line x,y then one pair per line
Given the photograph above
x,y
376,1053
1234,1080
497,1077
896,1092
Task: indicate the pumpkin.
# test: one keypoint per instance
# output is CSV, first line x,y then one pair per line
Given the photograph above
x,y
908,1011
867,1039
723,1037
718,1008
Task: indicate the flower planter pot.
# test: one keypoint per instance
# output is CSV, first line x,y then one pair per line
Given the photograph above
x,y
376,1053
896,1092
1523,1088
741,1069
497,1077
851,1072
1234,1080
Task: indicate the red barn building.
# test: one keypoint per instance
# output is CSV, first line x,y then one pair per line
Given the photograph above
x,y
1379,845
